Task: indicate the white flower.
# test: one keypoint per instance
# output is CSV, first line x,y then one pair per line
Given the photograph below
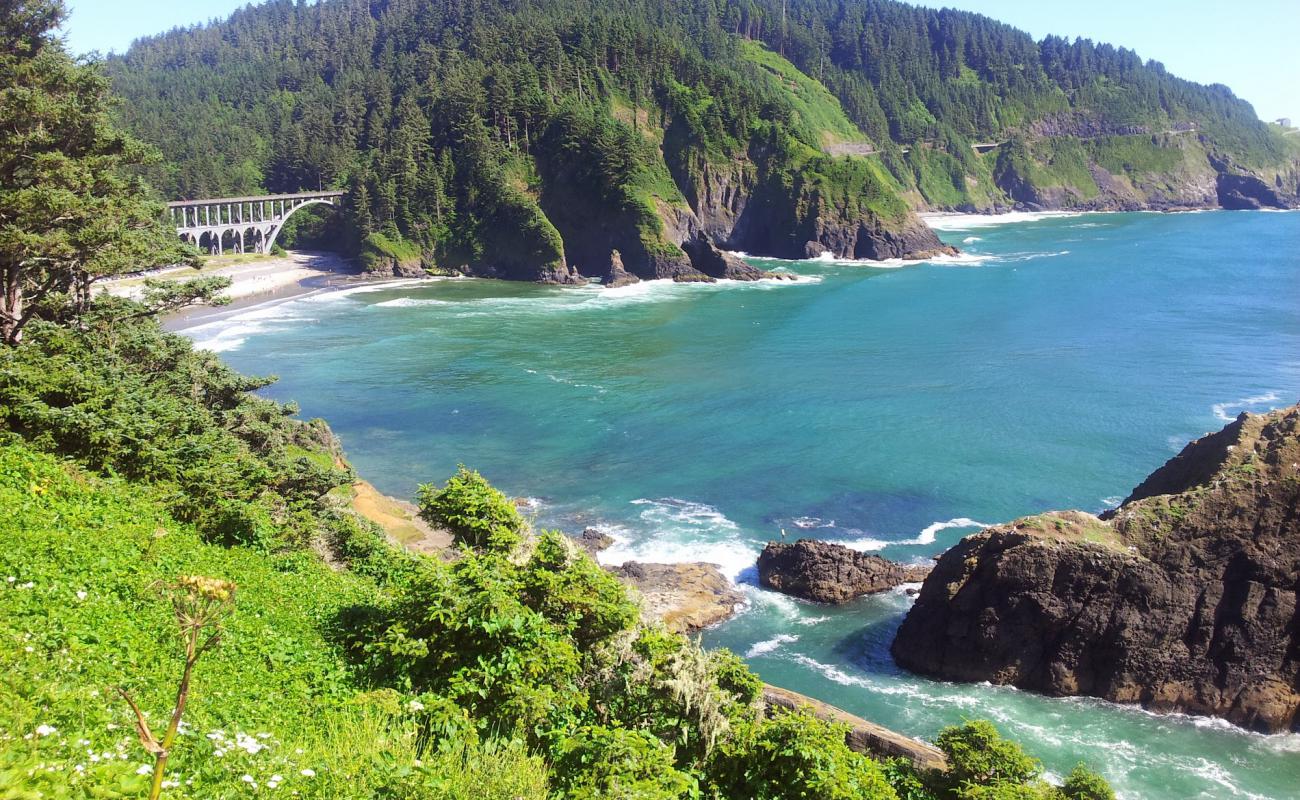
x,y
264,736
143,769
29,649
170,784
248,744
298,751
308,773
248,779
80,767
27,585
94,758
81,595
45,730
11,579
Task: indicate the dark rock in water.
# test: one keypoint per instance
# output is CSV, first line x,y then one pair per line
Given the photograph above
x,y
617,276
1184,600
830,573
686,597
710,261
593,540
1245,192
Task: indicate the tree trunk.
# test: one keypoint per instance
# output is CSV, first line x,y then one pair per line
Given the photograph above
x,y
11,309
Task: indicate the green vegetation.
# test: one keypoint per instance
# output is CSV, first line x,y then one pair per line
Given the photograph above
x,y
135,471
521,666
503,139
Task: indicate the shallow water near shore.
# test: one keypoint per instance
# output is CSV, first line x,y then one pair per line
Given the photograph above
x,y
892,407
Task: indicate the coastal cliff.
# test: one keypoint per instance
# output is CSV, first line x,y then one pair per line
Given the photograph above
x,y
1182,599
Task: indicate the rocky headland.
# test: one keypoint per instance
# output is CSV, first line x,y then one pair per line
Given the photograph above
x,y
826,572
1183,599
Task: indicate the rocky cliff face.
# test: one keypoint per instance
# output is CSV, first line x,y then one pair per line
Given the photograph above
x,y
830,573
1184,599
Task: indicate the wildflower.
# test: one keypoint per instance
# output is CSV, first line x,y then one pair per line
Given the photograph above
x,y
81,595
170,784
11,579
45,730
143,769
248,779
29,649
264,736
79,767
248,744
27,585
308,773
415,705
207,588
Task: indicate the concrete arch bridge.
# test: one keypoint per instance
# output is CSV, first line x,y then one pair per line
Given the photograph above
x,y
241,224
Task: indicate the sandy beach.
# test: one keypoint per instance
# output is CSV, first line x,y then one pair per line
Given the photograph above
x,y
251,276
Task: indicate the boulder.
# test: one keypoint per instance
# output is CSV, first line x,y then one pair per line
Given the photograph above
x,y
830,573
686,597
1183,599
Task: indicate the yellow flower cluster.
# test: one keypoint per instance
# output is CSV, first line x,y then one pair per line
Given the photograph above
x,y
207,588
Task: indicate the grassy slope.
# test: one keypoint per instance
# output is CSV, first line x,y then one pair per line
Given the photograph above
x,y
277,678
819,113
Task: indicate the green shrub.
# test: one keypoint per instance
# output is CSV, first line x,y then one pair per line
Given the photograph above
x,y
477,515
795,755
979,758
1084,784
568,588
599,762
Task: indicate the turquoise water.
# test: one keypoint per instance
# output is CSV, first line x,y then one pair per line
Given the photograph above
x,y
892,408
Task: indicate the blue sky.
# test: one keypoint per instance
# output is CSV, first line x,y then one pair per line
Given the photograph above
x,y
1249,44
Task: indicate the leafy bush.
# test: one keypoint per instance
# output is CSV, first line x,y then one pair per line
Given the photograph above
x,y
599,762
1084,784
795,755
477,515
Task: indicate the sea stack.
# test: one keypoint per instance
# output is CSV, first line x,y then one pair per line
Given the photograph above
x,y
1183,599
826,572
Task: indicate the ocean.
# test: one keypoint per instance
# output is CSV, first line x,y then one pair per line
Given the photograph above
x,y
893,407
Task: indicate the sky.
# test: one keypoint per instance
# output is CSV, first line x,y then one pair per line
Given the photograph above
x,y
1250,45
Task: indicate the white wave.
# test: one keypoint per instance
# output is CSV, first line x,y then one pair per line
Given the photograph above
x,y
971,240
926,536
675,531
1112,501
1244,404
806,523
965,222
809,621
770,645
961,259
411,302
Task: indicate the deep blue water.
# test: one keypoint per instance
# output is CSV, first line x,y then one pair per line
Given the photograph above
x,y
891,407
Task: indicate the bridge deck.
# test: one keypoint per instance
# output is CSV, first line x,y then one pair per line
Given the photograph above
x,y
259,199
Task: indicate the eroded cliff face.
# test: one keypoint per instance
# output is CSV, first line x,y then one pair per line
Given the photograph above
x,y
1184,599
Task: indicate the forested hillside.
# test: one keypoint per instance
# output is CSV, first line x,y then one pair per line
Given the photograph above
x,y
529,140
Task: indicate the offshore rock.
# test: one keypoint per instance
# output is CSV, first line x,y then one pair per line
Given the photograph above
x,y
1183,600
593,540
710,261
686,597
830,573
617,275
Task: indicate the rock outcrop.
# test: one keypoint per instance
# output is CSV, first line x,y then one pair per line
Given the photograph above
x,y
710,261
686,597
593,540
830,573
1183,599
863,737
617,275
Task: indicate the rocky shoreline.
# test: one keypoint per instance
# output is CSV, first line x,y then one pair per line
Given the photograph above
x,y
1184,599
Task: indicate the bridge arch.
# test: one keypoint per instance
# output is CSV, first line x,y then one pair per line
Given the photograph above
x,y
275,232
251,223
